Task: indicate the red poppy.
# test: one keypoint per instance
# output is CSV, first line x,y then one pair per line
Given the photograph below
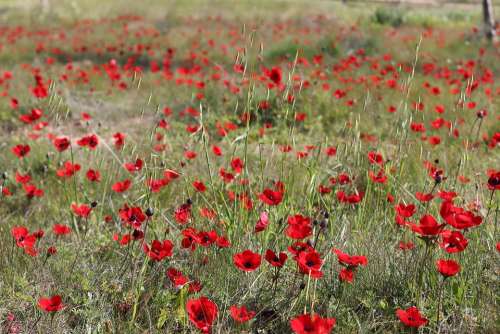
x,y
448,268
68,170
271,197
93,175
61,143
176,277
199,186
51,304
32,191
21,150
217,150
183,213
428,226
119,140
299,227
23,179
424,197
32,117
159,250
494,180
276,260
411,317
90,141
405,210
458,217
132,216
453,241
310,263
81,210
202,313
133,167
312,324
237,165
241,314
60,229
121,186
346,275
274,75
247,260
375,158
350,260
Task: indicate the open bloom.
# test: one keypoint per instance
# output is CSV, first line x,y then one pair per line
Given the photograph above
x,y
202,313
159,250
312,324
241,314
427,227
448,268
247,260
411,317
271,197
51,304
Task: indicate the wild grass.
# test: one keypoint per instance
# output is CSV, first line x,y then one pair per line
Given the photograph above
x,y
112,288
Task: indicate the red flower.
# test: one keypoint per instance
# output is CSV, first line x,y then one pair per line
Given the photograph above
x,y
310,263
22,237
183,213
52,304
60,229
346,275
202,313
424,197
119,139
299,227
411,317
30,118
21,150
176,277
428,226
217,150
375,158
312,324
241,314
23,179
247,260
274,259
199,186
68,170
81,210
159,250
132,216
405,210
494,181
271,197
237,165
453,241
448,268
32,191
458,217
122,186
93,175
350,261
90,141
274,75
133,167
61,143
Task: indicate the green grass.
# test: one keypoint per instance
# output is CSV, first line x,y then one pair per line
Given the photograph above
x,y
108,288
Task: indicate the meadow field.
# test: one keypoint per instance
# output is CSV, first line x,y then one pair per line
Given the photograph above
x,y
306,167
